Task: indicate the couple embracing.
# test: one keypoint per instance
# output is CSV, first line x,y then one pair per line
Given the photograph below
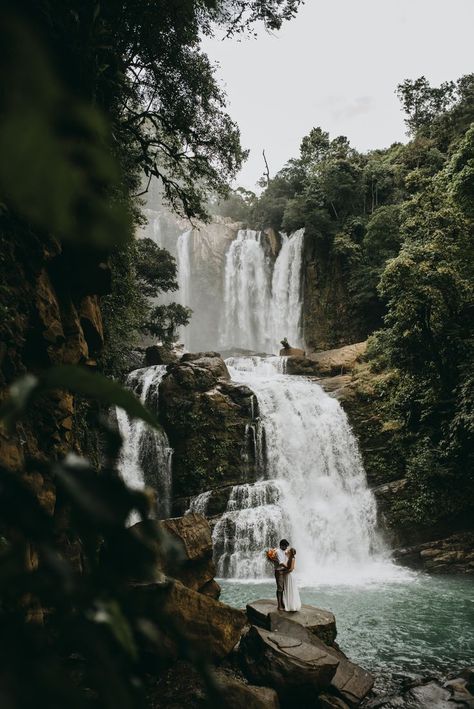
x,y
288,597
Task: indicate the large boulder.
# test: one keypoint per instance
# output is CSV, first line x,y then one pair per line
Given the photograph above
x,y
338,361
192,564
181,685
294,668
208,420
351,683
319,622
159,354
452,555
429,694
241,695
210,627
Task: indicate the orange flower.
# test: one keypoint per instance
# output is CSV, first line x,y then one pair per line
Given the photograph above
x,y
272,554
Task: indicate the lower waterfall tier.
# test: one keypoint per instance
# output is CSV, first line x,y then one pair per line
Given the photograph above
x,y
314,490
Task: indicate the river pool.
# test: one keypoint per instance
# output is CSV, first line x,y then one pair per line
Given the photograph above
x,y
419,625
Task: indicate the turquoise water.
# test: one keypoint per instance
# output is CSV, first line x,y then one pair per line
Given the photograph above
x,y
421,625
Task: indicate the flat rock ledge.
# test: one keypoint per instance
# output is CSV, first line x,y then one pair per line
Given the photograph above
x,y
321,623
296,654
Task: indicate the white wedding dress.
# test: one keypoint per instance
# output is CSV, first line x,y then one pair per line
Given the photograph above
x,y
291,595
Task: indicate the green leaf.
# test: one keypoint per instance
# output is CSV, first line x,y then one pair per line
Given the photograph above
x,y
79,381
110,613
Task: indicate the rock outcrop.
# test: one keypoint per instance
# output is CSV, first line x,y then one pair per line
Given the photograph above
x,y
207,418
429,693
50,315
318,622
294,668
281,648
182,686
453,555
192,561
212,628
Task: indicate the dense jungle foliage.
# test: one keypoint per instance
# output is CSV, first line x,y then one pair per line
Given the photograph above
x,y
399,223
94,96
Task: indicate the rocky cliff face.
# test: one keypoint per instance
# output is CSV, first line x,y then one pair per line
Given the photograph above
x,y
207,419
50,316
327,317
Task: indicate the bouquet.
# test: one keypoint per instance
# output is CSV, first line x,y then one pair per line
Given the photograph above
x,y
272,555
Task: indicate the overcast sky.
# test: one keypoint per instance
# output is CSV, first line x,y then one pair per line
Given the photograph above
x,y
336,65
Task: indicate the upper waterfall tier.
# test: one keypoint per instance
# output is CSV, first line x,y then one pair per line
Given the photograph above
x,y
242,294
262,300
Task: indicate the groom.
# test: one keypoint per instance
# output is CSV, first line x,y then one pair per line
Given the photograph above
x,y
280,566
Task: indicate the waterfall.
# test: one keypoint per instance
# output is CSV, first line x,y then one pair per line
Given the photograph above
x,y
245,320
286,302
314,493
262,300
146,454
184,276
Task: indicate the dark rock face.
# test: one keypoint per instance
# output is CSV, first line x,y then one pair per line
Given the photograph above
x,y
192,564
316,627
293,667
328,319
432,694
453,555
207,418
157,354
48,317
318,622
212,628
351,683
182,686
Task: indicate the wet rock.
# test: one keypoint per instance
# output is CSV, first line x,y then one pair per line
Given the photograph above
x,y
319,622
192,564
299,364
158,354
293,352
91,322
213,628
240,695
207,419
452,555
338,361
328,701
182,686
294,668
211,588
49,313
432,694
351,683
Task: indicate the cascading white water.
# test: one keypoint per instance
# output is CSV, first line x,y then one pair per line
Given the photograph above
x,y
143,448
184,275
246,294
315,494
262,300
286,302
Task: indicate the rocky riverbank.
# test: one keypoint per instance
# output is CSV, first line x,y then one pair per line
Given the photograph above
x,y
445,548
258,658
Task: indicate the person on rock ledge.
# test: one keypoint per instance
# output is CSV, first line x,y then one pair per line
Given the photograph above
x,y
285,344
280,569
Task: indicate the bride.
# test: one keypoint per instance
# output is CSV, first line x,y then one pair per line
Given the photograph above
x,y
291,596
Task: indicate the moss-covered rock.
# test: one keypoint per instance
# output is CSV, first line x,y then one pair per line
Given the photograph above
x,y
207,418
